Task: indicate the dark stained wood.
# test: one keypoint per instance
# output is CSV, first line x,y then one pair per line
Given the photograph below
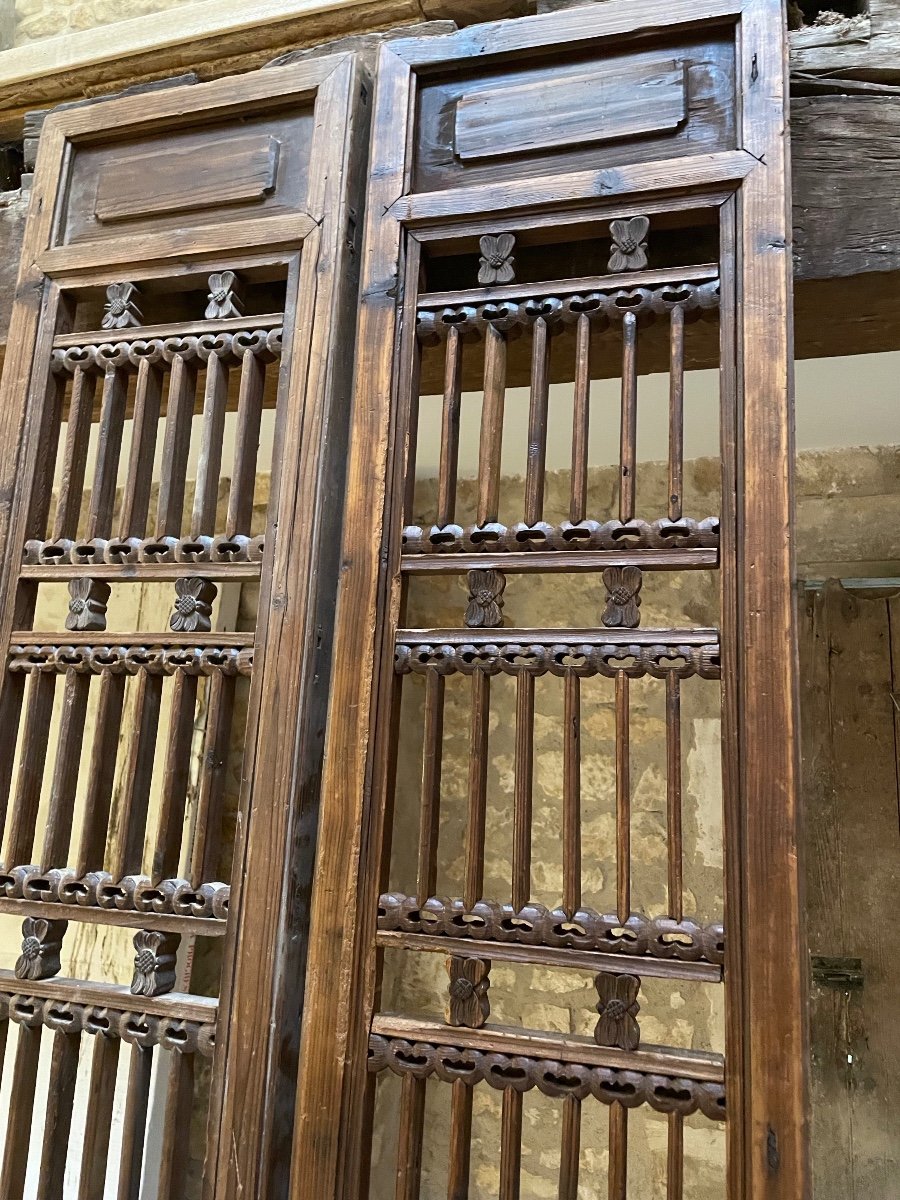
x,y
430,805
570,1147
674,840
491,442
523,788
131,819
536,561
675,1157
78,429
618,1152
203,517
450,428
409,1147
581,419
206,838
98,795
58,1118
95,1148
243,475
18,1125
167,847
38,710
536,460
176,444
478,771
623,799
571,815
460,1141
63,788
175,1154
628,436
109,445
676,413
510,1145
134,1123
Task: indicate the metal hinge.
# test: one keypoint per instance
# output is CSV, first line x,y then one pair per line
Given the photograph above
x,y
846,974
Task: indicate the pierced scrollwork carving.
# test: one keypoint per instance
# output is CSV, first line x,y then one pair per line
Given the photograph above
x,y
623,597
224,296
131,659
618,1008
87,604
485,607
133,893
120,310
497,538
468,999
41,946
263,343
664,1093
604,307
154,962
113,1020
122,551
193,605
535,925
629,244
497,264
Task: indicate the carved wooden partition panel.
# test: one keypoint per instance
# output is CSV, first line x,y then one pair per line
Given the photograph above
x,y
569,197
185,294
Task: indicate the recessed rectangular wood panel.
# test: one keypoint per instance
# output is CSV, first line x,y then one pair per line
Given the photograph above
x,y
160,181
596,104
184,177
576,110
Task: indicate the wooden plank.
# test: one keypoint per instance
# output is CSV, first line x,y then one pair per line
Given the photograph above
x,y
141,572
660,1060
166,922
551,636
538,561
171,329
177,1006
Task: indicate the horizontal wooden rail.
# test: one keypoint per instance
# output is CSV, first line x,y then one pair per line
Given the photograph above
x,y
178,1006
559,561
550,956
141,572
552,636
532,1043
50,910
112,639
136,333
567,287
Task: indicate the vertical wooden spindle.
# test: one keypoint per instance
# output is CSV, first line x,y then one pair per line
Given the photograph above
x,y
623,798
176,1142
58,1122
571,848
102,772
176,446
510,1144
12,694
176,778
491,441
628,446
430,802
676,412
33,756
675,1158
673,796
134,1123
449,463
78,432
145,425
412,436
536,461
478,772
460,1140
409,1145
206,843
618,1151
570,1149
581,419
128,850
109,447
64,788
523,788
95,1151
246,449
209,464
18,1126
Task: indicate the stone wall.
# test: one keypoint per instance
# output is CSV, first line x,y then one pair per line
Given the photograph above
x,y
38,19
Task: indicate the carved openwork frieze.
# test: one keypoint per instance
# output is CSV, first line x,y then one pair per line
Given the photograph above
x,y
134,893
535,925
497,538
41,947
560,657
112,1020
664,1093
131,659
238,548
602,306
128,355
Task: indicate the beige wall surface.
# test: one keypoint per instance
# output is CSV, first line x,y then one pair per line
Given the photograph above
x,y
37,19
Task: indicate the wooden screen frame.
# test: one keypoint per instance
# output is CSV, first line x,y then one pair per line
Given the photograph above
x,y
765,965
261,988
